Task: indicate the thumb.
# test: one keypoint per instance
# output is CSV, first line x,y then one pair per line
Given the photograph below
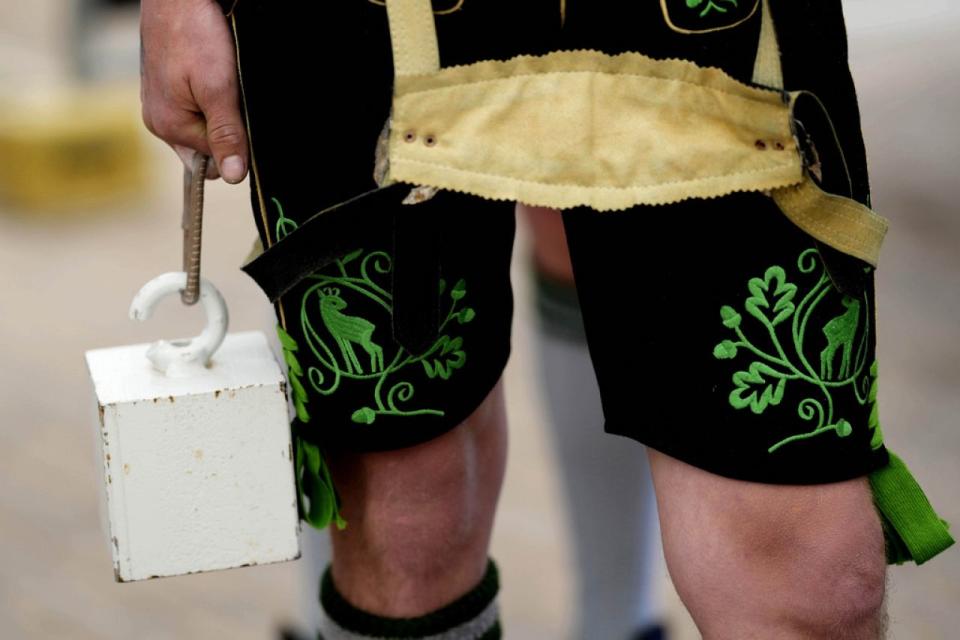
x,y
227,139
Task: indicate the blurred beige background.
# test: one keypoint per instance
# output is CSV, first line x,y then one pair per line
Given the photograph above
x,y
67,275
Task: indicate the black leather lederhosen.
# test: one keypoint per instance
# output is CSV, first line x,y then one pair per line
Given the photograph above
x,y
737,344
404,326
657,296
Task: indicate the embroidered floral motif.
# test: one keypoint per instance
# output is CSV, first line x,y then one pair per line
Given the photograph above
x,y
347,346
390,376
710,5
326,297
842,363
705,16
285,226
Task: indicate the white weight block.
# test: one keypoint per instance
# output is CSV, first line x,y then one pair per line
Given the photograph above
x,y
198,469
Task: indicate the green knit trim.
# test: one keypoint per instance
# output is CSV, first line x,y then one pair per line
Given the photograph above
x,y
317,498
913,530
462,610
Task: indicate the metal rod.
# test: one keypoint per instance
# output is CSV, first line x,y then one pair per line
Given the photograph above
x,y
193,183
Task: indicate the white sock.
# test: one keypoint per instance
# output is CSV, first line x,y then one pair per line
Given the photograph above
x,y
606,480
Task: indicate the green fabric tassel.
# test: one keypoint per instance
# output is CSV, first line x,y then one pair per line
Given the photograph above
x,y
913,530
317,498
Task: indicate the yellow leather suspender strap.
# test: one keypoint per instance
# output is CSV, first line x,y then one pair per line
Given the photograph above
x,y
413,35
842,223
767,70
582,128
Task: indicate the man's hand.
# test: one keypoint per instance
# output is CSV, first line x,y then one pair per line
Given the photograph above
x,y
189,84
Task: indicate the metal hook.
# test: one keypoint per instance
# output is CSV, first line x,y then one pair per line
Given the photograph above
x,y
181,357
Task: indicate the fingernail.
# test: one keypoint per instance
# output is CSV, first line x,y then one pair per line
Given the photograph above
x,y
232,169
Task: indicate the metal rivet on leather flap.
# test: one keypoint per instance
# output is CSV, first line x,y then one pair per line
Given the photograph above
x,y
410,136
761,145
430,140
778,146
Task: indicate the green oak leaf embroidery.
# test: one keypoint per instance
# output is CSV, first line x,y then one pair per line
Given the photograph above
x,y
756,391
777,363
449,358
710,5
759,303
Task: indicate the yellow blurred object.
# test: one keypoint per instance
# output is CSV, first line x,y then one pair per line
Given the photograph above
x,y
70,148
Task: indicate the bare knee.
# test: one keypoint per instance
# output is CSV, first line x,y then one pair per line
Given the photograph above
x,y
409,511
419,519
752,560
838,571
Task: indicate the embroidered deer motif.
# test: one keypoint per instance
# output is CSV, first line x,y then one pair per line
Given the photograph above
x,y
840,333
349,330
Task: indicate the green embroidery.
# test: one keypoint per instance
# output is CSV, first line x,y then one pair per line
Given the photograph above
x,y
765,381
451,357
710,6
758,304
755,391
840,333
336,337
706,16
349,330
333,336
295,373
392,389
316,497
285,226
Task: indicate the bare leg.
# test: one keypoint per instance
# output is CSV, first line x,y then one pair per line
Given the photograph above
x,y
771,561
420,518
